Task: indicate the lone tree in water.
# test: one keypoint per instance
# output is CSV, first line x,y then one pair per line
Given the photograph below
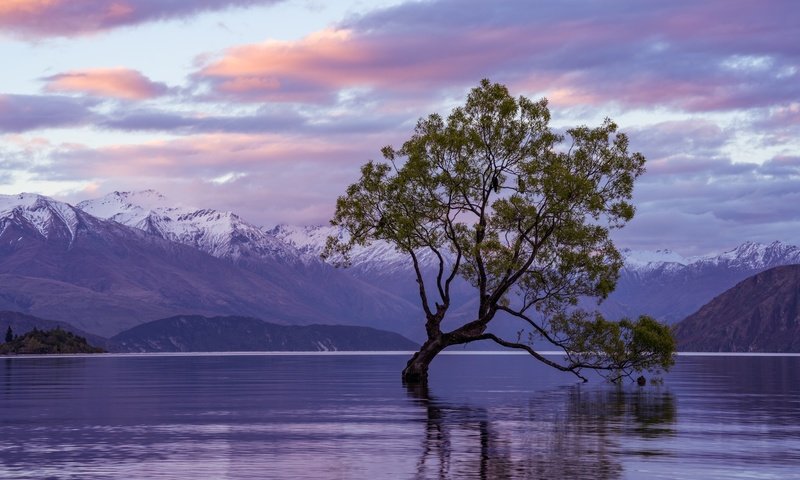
x,y
522,213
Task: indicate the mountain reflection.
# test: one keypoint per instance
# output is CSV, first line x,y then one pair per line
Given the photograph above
x,y
577,433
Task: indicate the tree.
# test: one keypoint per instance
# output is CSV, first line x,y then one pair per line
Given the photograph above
x,y
521,212
9,334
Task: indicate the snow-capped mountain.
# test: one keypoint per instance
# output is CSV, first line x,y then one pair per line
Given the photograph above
x,y
648,259
671,287
62,263
379,256
218,233
754,256
226,235
45,215
749,255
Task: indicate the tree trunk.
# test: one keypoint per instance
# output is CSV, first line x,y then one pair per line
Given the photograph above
x,y
416,370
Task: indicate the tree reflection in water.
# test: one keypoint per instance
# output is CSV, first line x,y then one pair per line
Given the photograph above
x,y
576,432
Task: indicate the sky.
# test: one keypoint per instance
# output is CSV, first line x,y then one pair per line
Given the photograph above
x,y
268,108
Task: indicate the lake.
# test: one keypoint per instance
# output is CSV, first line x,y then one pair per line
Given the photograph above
x,y
329,416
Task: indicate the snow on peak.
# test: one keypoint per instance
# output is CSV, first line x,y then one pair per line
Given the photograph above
x,y
23,200
747,250
310,240
43,213
219,233
756,255
149,198
128,208
748,255
374,256
642,258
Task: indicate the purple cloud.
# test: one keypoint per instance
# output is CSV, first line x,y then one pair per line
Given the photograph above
x,y
264,121
20,113
782,166
158,120
663,140
65,18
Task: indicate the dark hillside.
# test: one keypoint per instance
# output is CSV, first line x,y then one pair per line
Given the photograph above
x,y
759,314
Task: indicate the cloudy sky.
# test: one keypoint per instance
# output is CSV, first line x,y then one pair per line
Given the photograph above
x,y
267,108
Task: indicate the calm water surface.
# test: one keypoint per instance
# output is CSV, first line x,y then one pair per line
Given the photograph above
x,y
348,416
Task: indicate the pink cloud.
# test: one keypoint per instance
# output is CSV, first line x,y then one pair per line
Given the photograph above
x,y
314,68
120,83
54,18
291,71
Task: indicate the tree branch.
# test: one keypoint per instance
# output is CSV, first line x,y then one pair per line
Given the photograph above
x,y
521,346
535,325
422,293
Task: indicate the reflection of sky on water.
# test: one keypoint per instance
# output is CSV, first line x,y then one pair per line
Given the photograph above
x,y
350,417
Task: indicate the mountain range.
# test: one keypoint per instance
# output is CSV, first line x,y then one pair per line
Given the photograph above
x,y
61,262
108,264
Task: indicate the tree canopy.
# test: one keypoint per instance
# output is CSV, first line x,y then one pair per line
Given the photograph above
x,y
524,214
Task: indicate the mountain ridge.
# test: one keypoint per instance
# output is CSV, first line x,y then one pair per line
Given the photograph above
x,y
195,333
218,233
